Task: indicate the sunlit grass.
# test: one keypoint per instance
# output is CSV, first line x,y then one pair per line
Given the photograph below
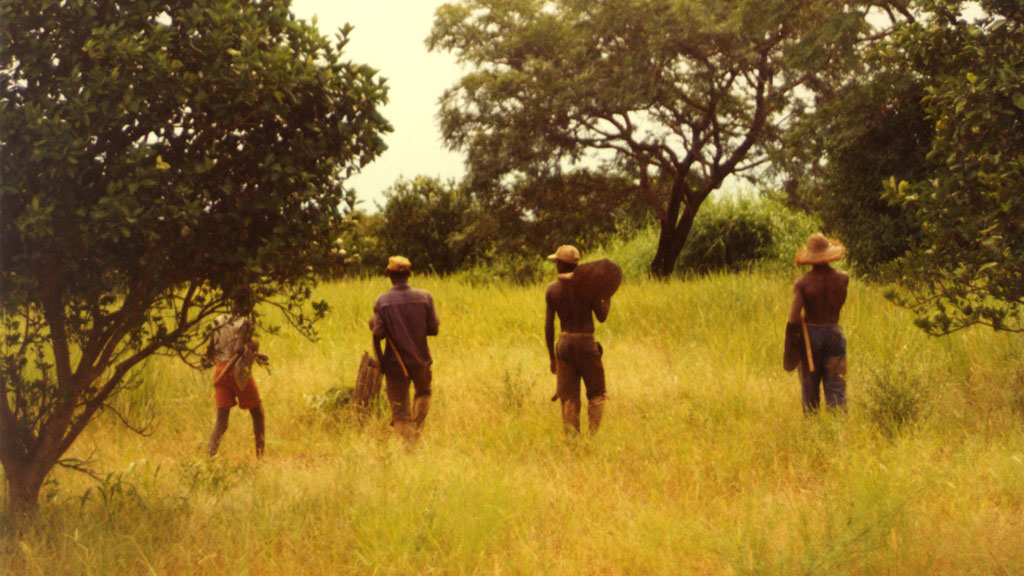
x,y
704,465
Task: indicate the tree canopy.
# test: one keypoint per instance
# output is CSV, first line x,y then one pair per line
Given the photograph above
x,y
159,160
968,267
678,95
860,134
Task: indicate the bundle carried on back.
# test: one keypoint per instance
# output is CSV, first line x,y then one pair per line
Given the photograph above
x,y
597,280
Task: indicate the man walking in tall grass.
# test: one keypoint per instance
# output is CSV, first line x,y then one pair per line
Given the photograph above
x,y
234,351
820,295
577,355
404,317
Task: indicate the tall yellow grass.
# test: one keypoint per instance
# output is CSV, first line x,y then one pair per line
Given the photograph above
x,y
705,463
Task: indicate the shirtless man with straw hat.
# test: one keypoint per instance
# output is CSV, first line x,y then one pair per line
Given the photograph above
x,y
815,337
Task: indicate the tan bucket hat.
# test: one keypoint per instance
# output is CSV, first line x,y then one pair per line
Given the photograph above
x,y
819,250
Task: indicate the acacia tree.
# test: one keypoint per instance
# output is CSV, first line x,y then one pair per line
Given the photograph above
x,y
678,94
158,157
969,267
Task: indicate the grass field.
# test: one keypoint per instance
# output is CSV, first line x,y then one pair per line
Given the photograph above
x,y
704,465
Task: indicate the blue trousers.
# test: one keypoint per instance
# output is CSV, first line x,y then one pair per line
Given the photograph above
x,y
828,350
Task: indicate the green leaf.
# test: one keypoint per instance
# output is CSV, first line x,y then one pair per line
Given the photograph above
x,y
1018,100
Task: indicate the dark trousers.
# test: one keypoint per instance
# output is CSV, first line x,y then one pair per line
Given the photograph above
x,y
579,357
828,350
398,388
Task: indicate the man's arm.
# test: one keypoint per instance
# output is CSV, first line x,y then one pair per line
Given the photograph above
x,y
378,352
432,322
601,309
379,333
549,332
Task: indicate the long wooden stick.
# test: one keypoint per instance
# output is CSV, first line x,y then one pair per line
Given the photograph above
x,y
807,345
399,356
228,368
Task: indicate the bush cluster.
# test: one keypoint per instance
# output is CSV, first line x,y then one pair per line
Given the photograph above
x,y
729,234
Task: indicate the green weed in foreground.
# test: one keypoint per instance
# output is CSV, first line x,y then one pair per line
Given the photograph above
x,y
704,465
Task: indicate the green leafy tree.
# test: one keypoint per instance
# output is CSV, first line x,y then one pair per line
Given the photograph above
x,y
533,216
160,159
969,267
423,220
861,134
679,95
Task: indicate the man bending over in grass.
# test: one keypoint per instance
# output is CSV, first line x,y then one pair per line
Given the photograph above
x,y
820,294
405,316
577,354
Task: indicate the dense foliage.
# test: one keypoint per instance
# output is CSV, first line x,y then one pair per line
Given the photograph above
x,y
968,267
678,95
160,158
861,134
424,220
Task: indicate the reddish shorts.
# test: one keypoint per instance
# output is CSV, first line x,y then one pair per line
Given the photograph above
x,y
226,391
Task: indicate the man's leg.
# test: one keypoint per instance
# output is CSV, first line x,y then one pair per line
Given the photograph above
x,y
592,369
258,429
595,412
421,379
219,428
569,394
834,382
809,385
568,389
398,398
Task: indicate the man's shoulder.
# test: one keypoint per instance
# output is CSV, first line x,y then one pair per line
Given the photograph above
x,y
557,285
404,296
554,288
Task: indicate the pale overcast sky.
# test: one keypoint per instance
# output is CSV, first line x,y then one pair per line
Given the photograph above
x,y
389,36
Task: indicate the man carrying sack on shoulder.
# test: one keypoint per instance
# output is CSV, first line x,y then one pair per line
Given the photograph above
x,y
580,293
404,316
814,339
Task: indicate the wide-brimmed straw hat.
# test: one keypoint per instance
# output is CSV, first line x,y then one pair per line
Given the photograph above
x,y
819,250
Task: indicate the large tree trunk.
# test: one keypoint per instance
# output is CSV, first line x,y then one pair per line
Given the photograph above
x,y
24,482
672,240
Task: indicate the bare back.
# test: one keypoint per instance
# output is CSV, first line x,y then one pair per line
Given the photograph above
x,y
820,293
574,314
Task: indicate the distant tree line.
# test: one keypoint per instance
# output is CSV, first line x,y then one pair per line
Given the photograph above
x,y
899,125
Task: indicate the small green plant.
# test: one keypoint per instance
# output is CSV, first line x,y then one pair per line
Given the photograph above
x,y
896,399
515,389
205,473
332,400
115,491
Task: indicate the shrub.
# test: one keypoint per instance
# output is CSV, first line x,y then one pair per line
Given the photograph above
x,y
728,235
896,399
